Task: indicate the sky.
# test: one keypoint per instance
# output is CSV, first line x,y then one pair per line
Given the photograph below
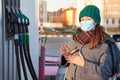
x,y
54,5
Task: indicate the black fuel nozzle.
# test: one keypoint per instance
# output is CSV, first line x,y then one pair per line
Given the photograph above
x,y
11,19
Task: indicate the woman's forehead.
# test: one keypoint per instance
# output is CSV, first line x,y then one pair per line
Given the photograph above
x,y
86,17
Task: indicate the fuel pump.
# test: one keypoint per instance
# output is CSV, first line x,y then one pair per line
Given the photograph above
x,y
18,25
12,31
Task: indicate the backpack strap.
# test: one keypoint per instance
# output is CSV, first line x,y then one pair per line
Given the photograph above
x,y
113,67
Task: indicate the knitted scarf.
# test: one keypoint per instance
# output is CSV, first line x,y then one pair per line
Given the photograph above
x,y
82,37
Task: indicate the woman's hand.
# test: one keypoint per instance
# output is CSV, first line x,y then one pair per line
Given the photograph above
x,y
78,60
65,50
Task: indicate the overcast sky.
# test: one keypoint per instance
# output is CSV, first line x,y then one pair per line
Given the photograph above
x,y
54,5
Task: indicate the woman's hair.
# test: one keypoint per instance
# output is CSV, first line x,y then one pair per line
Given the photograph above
x,y
98,36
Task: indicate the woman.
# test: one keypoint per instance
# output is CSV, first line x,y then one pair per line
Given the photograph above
x,y
88,56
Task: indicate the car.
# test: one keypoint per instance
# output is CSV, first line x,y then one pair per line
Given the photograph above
x,y
68,31
50,30
116,37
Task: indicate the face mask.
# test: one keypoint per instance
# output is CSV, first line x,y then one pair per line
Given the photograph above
x,y
87,25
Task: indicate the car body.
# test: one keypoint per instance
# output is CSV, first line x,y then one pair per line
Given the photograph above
x,y
68,31
116,37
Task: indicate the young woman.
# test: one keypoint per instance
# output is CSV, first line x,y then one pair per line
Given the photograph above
x,y
88,56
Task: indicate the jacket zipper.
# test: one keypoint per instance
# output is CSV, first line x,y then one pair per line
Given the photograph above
x,y
76,66
75,72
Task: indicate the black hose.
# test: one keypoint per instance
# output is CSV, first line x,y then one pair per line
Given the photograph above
x,y
23,63
30,60
27,55
22,51
29,63
19,52
17,59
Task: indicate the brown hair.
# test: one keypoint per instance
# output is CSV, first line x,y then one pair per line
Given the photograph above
x,y
98,36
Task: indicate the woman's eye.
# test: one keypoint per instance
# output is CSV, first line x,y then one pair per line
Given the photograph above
x,y
82,20
89,19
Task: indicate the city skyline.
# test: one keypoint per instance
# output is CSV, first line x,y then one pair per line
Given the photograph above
x,y
54,5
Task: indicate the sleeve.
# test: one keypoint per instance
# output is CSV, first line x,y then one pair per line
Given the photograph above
x,y
101,71
63,62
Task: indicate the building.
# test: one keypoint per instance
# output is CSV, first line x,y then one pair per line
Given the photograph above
x,y
70,16
112,13
44,11
50,16
65,16
59,16
41,8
